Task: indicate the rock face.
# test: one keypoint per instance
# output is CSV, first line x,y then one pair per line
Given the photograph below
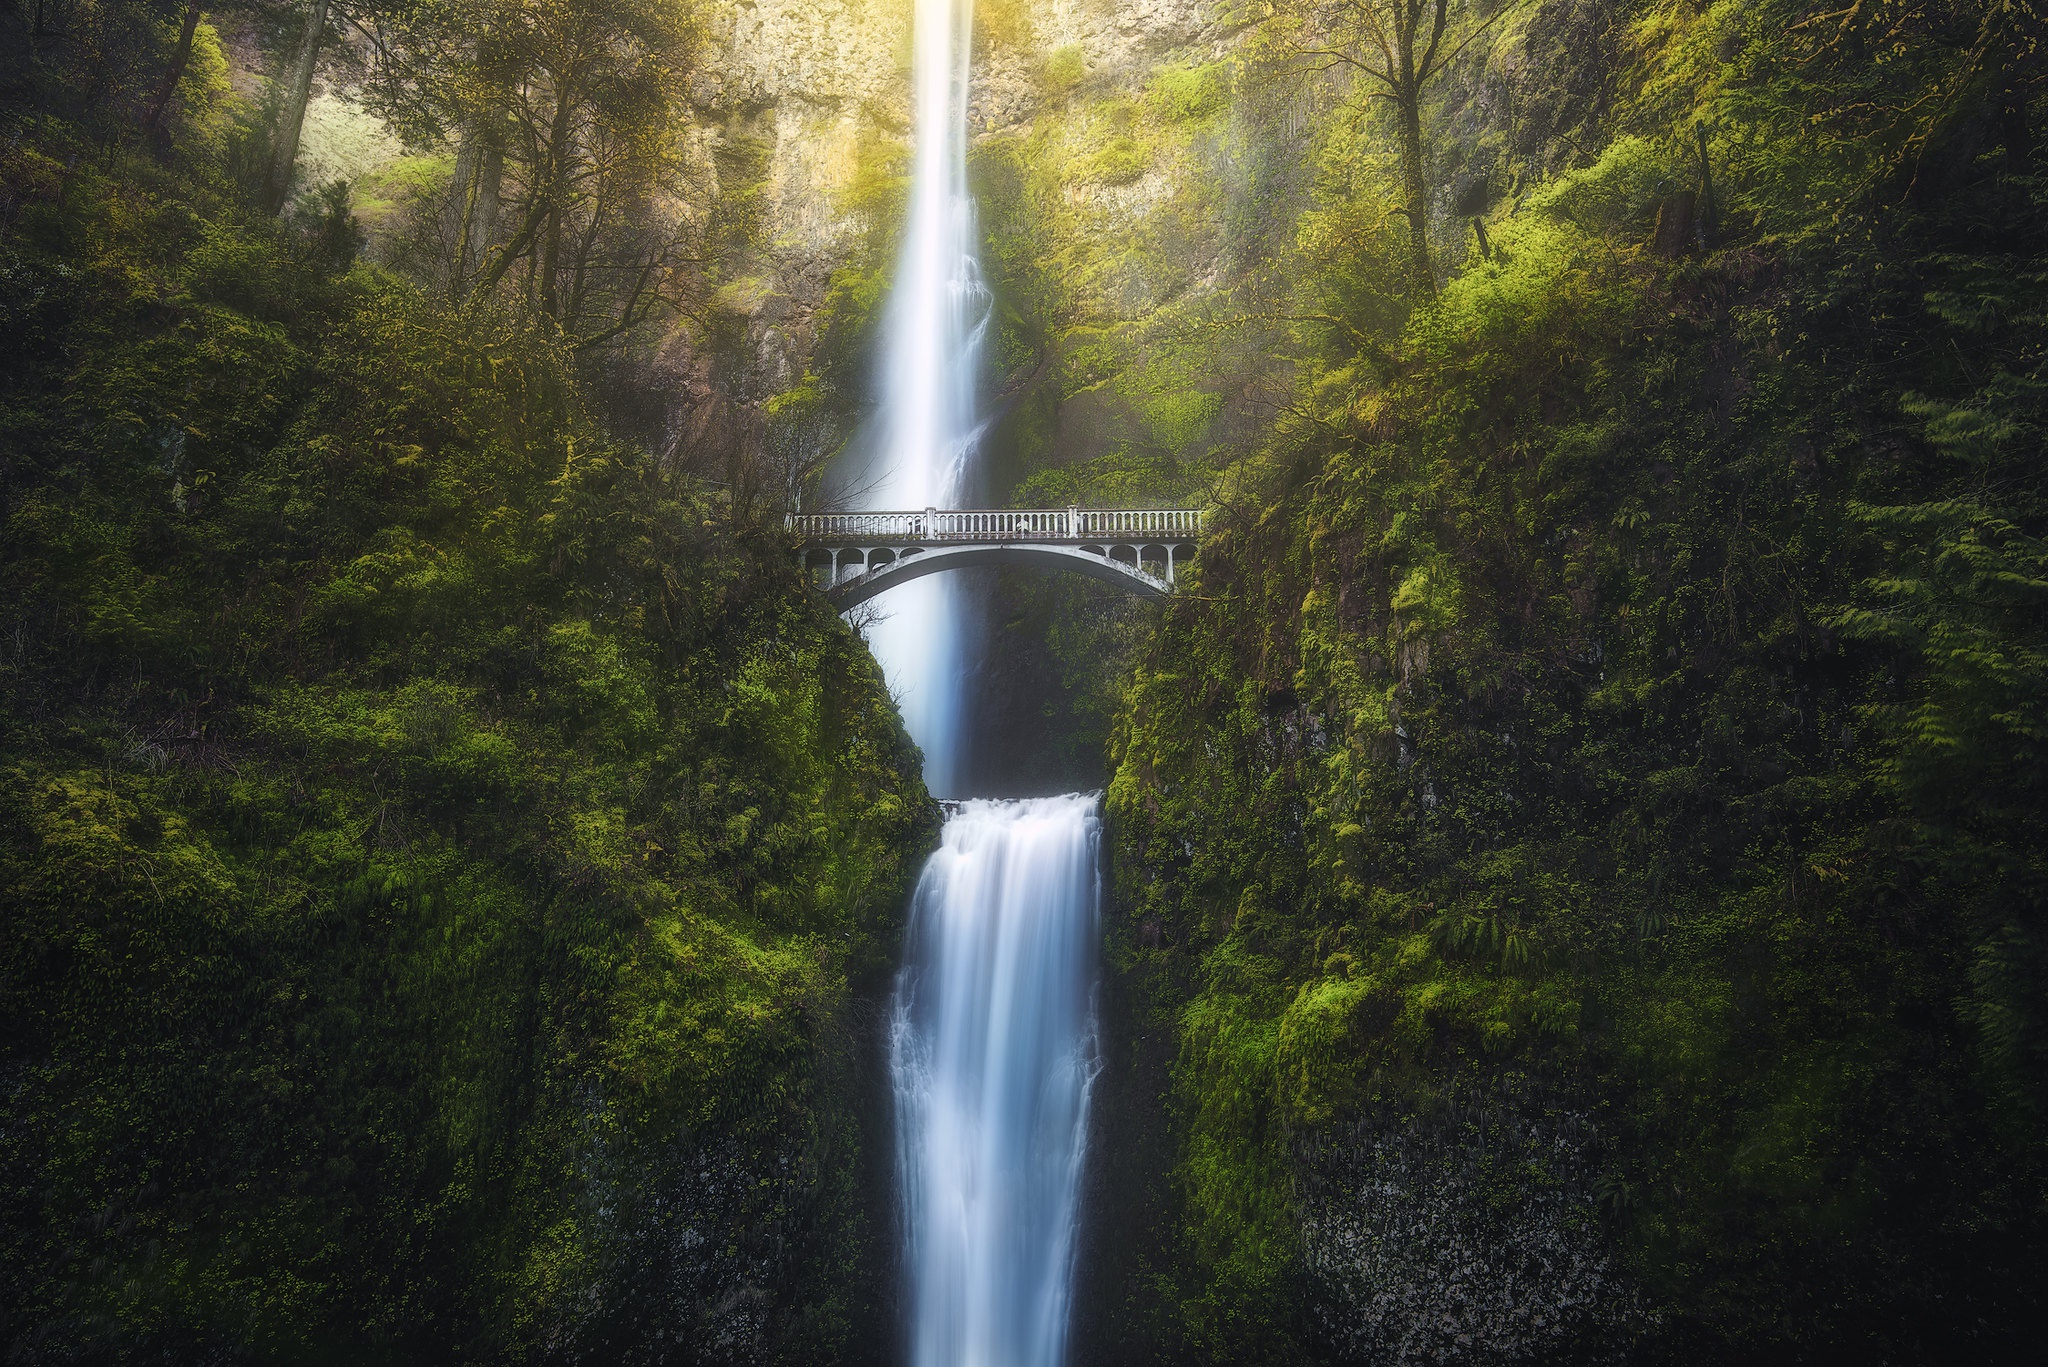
x,y
1471,1235
809,76
800,98
1123,37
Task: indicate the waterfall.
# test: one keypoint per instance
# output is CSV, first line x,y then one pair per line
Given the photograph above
x,y
992,1052
992,1041
937,316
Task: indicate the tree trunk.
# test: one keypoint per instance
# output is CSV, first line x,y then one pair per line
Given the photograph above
x,y
477,192
551,255
579,273
557,192
284,154
1416,189
2014,133
490,184
460,210
1710,207
521,240
1674,225
1949,142
179,59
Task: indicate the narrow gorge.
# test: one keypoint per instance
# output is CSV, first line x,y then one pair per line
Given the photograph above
x,y
1010,683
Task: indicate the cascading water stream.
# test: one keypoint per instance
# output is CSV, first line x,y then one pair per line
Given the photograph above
x,y
992,1045
937,316
992,1054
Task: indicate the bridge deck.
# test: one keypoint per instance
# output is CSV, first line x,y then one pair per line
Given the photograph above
x,y
863,554
983,525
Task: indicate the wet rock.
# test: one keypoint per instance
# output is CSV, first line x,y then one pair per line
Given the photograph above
x,y
1469,1234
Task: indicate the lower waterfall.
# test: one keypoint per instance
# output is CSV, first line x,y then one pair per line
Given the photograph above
x,y
992,1054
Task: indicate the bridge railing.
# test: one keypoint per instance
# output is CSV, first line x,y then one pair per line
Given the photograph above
x,y
998,524
1093,522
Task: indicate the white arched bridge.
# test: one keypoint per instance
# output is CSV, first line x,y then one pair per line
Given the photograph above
x,y
858,555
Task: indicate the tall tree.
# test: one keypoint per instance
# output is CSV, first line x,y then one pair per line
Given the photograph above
x,y
567,117
1400,46
180,57
284,150
470,216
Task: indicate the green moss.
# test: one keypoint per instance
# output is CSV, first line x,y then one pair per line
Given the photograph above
x,y
1118,161
1188,94
1065,68
1620,191
379,194
1495,746
472,870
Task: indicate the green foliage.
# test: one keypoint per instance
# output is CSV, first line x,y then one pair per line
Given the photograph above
x,y
1096,224
1124,478
1118,161
1622,689
1184,94
1065,69
1618,193
441,849
852,312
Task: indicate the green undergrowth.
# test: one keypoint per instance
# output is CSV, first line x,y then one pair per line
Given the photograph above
x,y
442,853
1610,707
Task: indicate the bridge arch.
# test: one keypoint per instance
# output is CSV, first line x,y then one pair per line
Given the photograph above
x,y
1140,550
916,564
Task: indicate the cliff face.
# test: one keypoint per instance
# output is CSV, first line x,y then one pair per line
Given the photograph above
x,y
794,90
806,120
1538,901
414,995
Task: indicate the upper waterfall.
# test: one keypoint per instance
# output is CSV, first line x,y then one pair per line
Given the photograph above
x,y
925,434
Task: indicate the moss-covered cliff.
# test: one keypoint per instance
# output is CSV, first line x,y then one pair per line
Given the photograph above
x,y
447,861
1577,843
